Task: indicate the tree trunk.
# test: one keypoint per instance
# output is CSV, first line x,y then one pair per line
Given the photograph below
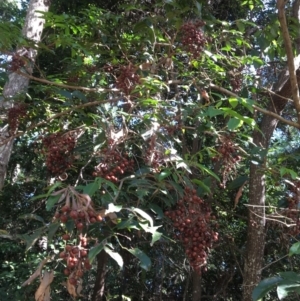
x,y
99,287
257,191
196,292
256,219
17,85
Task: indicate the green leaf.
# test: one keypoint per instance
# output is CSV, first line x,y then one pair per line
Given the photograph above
x,y
163,175
91,188
295,249
264,287
114,255
233,102
65,93
144,215
5,234
292,173
212,112
52,228
283,290
199,8
32,216
240,25
30,240
208,171
79,95
52,200
290,276
157,209
96,250
234,123
202,185
128,224
145,261
238,182
40,196
155,237
70,224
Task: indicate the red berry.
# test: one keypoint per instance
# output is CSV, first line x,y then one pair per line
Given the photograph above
x,y
66,237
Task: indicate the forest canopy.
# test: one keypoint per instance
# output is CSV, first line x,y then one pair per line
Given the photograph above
x,y
149,150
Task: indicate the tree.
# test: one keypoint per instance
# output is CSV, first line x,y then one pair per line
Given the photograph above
x,y
16,86
136,129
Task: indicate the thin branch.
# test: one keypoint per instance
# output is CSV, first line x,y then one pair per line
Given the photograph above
x,y
45,122
48,82
274,262
275,94
290,56
264,111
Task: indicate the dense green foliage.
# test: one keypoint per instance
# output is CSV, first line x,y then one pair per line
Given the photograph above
x,y
122,108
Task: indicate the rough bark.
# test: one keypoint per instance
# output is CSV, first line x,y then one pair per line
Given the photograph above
x,y
196,292
99,287
257,189
17,85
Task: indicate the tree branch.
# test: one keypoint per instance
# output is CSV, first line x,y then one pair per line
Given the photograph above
x,y
48,82
264,111
290,56
45,122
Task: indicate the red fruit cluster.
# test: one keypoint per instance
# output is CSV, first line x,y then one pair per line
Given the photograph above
x,y
17,62
229,157
193,37
128,79
193,222
79,208
108,68
236,83
73,78
15,115
113,164
81,216
293,209
76,260
58,149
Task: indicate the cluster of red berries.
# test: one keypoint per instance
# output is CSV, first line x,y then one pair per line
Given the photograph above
x,y
17,62
193,37
228,155
113,164
72,79
292,211
194,224
76,259
91,68
81,217
108,68
236,83
15,115
128,79
79,208
58,149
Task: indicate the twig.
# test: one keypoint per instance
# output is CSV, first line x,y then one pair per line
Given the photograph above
x,y
120,186
45,122
48,82
290,56
274,262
